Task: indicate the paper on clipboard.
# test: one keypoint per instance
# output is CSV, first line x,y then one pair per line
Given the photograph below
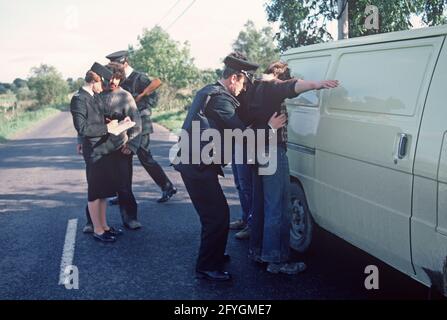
x,y
116,128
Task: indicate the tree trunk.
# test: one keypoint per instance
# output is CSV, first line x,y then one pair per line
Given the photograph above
x,y
343,21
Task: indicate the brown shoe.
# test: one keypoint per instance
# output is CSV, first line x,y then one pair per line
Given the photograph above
x,y
243,234
237,225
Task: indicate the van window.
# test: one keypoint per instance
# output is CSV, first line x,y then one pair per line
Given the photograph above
x,y
312,68
382,81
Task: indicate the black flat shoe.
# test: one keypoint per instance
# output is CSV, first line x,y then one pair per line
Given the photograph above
x,y
105,237
215,275
114,231
167,194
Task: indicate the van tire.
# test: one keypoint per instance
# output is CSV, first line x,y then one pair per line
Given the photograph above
x,y
302,225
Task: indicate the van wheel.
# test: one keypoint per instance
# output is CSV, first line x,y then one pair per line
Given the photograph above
x,y
301,230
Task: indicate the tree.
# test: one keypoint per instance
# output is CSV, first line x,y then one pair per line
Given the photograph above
x,y
433,12
24,93
48,85
21,89
160,56
20,83
9,86
3,89
298,25
257,45
74,85
304,22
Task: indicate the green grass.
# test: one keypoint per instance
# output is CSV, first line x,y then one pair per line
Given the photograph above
x,y
24,120
172,120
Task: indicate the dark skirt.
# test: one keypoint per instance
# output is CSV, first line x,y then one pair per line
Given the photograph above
x,y
103,176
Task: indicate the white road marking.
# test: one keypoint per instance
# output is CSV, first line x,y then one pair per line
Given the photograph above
x,y
69,247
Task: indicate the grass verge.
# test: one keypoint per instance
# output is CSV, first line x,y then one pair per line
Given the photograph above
x,y
10,126
173,120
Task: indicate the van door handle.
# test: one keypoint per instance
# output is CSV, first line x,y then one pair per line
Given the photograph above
x,y
402,148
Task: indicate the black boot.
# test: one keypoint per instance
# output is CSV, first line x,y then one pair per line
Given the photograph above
x,y
167,193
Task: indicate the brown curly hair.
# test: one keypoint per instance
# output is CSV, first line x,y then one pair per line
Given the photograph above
x,y
117,70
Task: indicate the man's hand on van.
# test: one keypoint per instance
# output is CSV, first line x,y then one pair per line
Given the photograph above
x,y
277,121
326,84
304,85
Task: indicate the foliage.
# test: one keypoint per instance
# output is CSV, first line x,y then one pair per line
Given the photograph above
x,y
3,89
24,93
160,56
20,83
257,45
304,22
74,85
48,85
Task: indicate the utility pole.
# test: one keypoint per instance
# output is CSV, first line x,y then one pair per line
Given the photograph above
x,y
343,21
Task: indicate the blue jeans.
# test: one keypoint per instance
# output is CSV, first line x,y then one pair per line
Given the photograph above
x,y
270,227
242,180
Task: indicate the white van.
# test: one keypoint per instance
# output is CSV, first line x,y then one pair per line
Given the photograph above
x,y
368,160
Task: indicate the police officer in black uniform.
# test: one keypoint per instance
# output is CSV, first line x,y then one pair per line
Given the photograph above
x,y
143,90
213,107
81,102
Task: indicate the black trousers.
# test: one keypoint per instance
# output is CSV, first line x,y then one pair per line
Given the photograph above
x,y
127,203
210,203
126,199
152,167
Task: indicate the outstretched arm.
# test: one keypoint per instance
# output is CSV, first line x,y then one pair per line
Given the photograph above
x,y
304,85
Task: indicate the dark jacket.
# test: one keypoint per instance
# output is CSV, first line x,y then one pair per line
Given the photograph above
x,y
87,118
213,107
265,98
135,84
89,122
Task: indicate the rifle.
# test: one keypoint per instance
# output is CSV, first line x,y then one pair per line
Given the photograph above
x,y
154,85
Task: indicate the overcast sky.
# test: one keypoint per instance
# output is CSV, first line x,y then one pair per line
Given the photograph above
x,y
72,34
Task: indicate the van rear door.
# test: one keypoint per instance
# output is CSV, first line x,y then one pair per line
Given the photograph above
x,y
429,220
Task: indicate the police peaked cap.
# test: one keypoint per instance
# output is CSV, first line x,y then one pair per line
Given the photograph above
x,y
102,71
118,56
240,65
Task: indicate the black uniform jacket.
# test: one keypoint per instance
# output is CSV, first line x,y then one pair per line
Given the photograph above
x,y
135,84
88,119
214,107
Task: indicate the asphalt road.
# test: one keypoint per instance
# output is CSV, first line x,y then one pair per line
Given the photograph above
x,y
42,187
